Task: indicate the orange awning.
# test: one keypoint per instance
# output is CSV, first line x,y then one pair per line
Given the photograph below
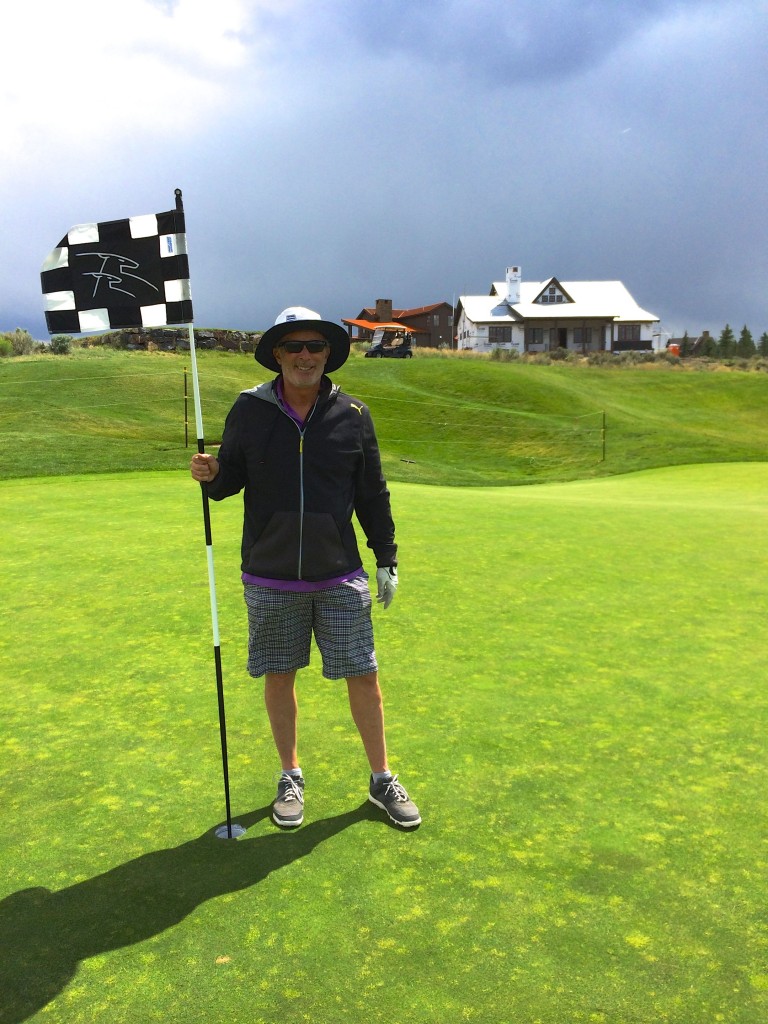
x,y
373,325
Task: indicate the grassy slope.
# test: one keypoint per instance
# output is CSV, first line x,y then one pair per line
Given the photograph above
x,y
443,421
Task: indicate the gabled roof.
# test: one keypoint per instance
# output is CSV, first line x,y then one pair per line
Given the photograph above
x,y
397,314
553,283
606,300
420,310
487,309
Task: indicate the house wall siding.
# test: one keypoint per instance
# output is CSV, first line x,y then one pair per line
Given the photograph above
x,y
432,334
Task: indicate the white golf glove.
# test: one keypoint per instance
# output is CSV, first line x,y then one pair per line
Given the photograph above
x,y
386,580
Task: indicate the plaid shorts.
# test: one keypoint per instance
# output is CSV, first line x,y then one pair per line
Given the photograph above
x,y
281,623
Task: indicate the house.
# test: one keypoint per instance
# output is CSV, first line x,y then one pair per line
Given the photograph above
x,y
539,316
430,326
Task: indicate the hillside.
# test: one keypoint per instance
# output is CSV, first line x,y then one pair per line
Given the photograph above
x,y
443,421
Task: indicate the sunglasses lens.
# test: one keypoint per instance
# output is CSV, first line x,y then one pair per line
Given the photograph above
x,y
297,346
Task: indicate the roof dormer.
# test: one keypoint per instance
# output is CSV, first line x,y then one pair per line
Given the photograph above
x,y
552,293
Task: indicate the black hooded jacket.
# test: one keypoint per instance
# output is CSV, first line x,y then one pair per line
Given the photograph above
x,y
303,484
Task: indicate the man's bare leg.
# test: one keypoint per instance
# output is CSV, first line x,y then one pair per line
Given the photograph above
x,y
367,709
368,713
282,709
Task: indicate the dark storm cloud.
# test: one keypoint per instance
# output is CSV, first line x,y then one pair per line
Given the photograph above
x,y
336,152
505,43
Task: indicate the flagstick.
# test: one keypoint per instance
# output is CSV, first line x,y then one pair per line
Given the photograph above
x,y
228,831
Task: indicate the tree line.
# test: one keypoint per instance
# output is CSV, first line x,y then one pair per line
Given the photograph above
x,y
727,346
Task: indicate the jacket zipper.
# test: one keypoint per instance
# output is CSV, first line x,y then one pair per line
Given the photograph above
x,y
301,497
302,431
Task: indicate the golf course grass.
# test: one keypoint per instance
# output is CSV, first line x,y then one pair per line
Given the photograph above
x,y
574,677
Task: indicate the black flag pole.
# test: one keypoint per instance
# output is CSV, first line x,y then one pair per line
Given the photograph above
x,y
230,830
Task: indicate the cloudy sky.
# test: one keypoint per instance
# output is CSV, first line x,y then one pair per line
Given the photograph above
x,y
335,152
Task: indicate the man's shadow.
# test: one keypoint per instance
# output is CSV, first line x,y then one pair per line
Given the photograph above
x,y
44,935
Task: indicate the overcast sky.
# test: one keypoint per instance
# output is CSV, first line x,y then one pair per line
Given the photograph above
x,y
335,152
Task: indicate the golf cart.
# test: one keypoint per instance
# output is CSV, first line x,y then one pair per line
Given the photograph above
x,y
390,343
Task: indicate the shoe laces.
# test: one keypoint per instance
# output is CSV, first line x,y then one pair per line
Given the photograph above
x,y
394,790
289,789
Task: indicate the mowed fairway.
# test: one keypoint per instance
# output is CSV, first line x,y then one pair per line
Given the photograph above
x,y
575,686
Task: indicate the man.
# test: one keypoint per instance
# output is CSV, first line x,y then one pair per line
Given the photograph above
x,y
306,455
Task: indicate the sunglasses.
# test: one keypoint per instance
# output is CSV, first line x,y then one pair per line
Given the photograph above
x,y
310,346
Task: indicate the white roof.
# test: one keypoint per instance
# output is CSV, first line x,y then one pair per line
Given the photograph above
x,y
608,300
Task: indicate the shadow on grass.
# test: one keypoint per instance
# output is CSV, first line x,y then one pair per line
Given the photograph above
x,y
44,934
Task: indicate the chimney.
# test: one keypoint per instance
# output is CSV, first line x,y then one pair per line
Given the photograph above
x,y
513,285
384,311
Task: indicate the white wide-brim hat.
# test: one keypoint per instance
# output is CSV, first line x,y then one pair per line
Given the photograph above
x,y
298,318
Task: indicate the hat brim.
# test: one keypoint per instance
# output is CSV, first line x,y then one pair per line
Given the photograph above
x,y
334,334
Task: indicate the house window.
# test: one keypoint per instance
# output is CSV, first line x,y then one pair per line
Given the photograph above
x,y
629,332
436,320
534,335
582,337
498,335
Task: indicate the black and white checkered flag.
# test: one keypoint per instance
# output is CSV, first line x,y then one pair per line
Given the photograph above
x,y
119,273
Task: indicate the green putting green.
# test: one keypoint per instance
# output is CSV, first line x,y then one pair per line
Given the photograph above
x,y
574,678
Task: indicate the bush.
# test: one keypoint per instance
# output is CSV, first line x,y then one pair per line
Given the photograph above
x,y
22,342
504,355
601,358
61,344
6,348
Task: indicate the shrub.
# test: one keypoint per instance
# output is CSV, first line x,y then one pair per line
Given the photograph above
x,y
22,342
6,348
504,355
601,359
61,344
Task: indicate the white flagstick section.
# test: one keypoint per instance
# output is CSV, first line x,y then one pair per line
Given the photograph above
x,y
230,830
200,446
